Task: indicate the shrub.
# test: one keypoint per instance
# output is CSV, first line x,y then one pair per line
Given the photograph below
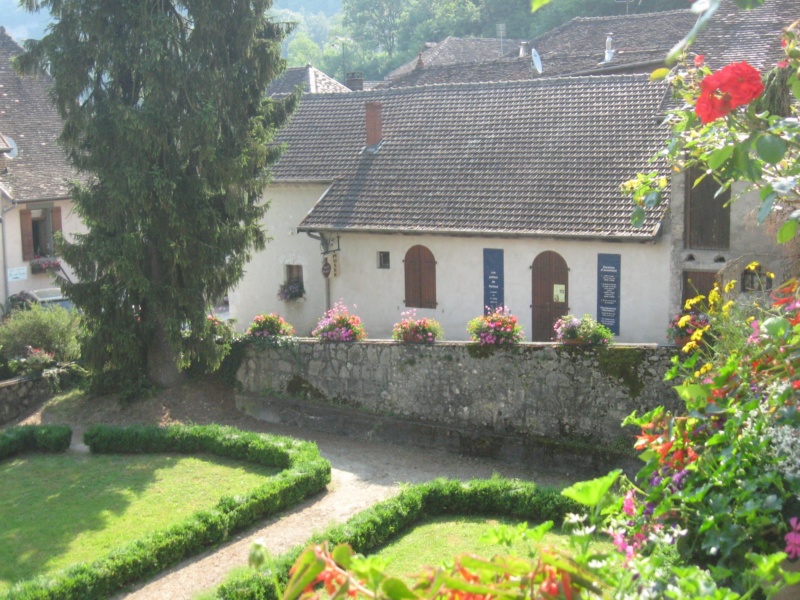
x,y
338,325
412,329
53,329
585,330
305,473
496,328
34,438
270,325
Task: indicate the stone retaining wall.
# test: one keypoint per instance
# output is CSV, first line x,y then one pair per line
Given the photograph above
x,y
19,394
565,394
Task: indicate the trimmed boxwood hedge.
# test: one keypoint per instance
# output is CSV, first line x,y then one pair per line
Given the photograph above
x,y
372,528
34,438
304,473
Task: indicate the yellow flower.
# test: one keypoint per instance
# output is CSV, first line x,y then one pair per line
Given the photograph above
x,y
770,275
684,320
692,301
714,297
730,285
752,266
697,335
689,347
706,368
727,307
749,320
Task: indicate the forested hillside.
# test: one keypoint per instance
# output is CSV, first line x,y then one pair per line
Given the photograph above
x,y
375,36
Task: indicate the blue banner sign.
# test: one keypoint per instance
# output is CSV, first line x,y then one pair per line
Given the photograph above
x,y
493,284
608,285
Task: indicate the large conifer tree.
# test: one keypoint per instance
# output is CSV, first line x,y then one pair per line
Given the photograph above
x,y
166,120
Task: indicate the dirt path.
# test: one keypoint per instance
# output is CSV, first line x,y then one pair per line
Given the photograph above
x,y
363,473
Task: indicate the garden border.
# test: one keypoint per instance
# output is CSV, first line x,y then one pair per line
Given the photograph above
x,y
304,473
34,438
374,527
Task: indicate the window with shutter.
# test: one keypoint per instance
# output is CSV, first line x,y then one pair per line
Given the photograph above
x,y
420,273
38,228
707,215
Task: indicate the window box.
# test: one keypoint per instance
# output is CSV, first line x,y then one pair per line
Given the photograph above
x,y
45,264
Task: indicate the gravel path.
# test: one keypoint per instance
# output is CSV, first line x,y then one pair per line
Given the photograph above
x,y
363,473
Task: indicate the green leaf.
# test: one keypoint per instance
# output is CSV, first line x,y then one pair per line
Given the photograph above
x,y
396,589
652,199
766,207
777,327
537,533
659,74
307,567
787,231
589,493
771,148
537,4
796,89
638,216
718,157
343,555
692,392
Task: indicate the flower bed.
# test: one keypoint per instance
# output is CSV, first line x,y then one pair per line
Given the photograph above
x,y
497,327
571,329
338,325
412,330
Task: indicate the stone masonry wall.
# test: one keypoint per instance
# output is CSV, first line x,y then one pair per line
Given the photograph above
x,y
562,393
17,395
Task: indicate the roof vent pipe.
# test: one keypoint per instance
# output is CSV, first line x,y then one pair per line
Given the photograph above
x,y
524,49
374,123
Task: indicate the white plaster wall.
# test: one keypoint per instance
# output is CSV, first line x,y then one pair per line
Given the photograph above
x,y
70,225
749,242
257,292
379,293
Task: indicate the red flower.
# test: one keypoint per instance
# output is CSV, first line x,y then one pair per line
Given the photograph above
x,y
732,86
698,60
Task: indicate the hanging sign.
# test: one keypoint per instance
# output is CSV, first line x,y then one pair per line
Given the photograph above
x,y
493,283
335,264
608,286
326,268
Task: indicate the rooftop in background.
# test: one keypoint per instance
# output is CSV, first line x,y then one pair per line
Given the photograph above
x,y
39,170
309,78
639,42
453,50
528,158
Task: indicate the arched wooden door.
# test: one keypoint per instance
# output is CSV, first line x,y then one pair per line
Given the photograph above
x,y
550,277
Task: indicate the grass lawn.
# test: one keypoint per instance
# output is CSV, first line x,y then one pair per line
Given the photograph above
x,y
438,540
56,510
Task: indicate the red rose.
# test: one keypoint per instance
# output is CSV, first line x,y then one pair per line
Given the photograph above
x,y
732,86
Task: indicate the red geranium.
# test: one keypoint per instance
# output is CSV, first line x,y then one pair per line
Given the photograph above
x,y
732,86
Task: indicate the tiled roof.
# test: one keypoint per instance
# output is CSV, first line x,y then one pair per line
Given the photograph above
x,y
309,78
40,169
453,50
754,35
578,46
541,157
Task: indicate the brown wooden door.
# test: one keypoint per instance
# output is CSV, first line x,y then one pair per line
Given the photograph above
x,y
420,272
697,283
550,278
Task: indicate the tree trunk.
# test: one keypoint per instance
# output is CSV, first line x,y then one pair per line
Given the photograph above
x,y
162,361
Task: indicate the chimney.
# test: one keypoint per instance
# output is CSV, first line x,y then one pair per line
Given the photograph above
x,y
374,123
355,81
609,48
524,49
420,64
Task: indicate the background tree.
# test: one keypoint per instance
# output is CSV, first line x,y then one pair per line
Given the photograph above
x,y
375,22
166,120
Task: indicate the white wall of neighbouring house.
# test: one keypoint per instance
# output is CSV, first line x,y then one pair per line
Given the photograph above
x,y
257,292
378,294
19,270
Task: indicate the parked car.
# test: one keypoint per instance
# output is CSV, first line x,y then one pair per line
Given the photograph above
x,y
46,297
